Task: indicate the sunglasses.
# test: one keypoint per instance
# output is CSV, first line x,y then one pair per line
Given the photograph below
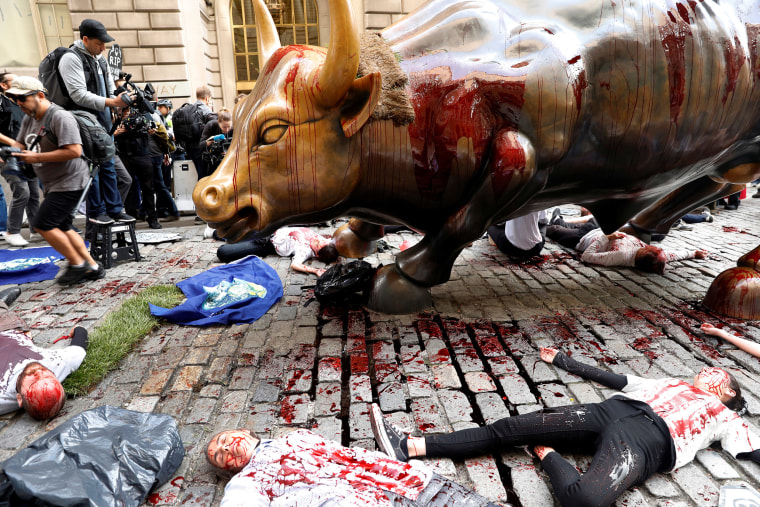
x,y
20,98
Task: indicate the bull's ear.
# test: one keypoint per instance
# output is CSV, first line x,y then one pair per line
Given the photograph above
x,y
361,101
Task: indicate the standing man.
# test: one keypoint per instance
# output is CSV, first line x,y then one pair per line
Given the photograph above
x,y
61,170
204,103
26,193
89,85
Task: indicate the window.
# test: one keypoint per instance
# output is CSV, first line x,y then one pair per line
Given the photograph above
x,y
56,23
24,24
296,22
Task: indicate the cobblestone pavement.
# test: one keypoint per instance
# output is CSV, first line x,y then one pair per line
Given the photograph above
x,y
470,360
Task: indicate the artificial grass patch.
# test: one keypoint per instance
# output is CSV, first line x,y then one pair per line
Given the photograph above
x,y
115,337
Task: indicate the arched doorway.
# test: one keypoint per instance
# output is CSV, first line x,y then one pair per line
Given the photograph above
x,y
296,22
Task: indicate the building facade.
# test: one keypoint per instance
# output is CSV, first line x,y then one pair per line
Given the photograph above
x,y
177,45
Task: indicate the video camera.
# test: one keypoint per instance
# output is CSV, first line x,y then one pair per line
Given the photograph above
x,y
12,166
143,97
216,151
137,123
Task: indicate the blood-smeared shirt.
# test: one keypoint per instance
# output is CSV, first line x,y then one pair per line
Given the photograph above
x,y
695,418
598,249
303,468
17,350
295,241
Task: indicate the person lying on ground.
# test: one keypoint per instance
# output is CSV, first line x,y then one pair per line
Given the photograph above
x,y
30,376
521,237
747,346
616,249
299,242
653,425
302,468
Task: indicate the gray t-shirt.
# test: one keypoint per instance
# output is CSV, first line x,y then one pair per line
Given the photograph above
x,y
56,176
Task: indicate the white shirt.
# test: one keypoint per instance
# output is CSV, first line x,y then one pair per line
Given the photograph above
x,y
17,350
695,418
598,249
523,232
303,468
294,241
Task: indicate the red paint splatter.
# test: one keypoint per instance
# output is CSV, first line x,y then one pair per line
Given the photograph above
x,y
673,36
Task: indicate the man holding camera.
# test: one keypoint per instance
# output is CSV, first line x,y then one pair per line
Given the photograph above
x,y
89,85
62,172
135,133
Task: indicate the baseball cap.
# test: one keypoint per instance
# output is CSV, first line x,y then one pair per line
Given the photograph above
x,y
24,85
94,29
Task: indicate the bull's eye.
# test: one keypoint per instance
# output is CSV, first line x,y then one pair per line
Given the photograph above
x,y
271,135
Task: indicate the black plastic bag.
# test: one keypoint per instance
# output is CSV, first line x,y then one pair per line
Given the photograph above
x,y
344,283
101,457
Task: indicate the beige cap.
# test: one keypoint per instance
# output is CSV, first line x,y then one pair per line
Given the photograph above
x,y
25,84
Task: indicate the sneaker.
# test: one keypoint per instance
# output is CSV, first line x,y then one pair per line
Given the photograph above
x,y
756,194
732,207
708,216
153,223
33,236
96,274
680,226
208,233
16,240
122,216
102,219
390,439
8,296
2,234
74,275
199,220
169,218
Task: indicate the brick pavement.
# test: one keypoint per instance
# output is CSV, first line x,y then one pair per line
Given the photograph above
x,y
470,360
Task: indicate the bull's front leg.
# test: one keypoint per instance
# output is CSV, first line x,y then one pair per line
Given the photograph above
x,y
357,238
508,181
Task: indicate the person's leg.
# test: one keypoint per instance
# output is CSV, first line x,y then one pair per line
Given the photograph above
x,y
3,212
20,190
33,204
144,169
551,426
109,188
259,246
164,198
628,452
123,179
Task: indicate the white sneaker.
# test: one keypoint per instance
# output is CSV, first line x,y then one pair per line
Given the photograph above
x,y
16,240
2,234
208,233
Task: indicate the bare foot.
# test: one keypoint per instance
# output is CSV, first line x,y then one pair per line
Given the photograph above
x,y
541,451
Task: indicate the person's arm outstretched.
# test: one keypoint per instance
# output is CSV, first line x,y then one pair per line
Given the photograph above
x,y
606,378
747,346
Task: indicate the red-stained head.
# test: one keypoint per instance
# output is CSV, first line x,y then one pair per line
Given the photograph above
x,y
232,449
39,392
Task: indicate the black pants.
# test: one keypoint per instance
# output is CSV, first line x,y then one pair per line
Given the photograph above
x,y
568,235
141,168
259,246
496,233
628,447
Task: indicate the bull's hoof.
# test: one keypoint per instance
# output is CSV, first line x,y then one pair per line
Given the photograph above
x,y
736,291
393,293
350,245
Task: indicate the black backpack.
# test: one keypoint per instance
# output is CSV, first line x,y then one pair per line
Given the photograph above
x,y
188,122
51,79
345,283
97,145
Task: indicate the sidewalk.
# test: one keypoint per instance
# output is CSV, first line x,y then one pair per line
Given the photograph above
x,y
470,360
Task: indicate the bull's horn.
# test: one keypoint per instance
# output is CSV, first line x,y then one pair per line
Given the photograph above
x,y
342,60
269,40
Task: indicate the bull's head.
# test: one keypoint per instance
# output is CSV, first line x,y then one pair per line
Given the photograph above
x,y
292,156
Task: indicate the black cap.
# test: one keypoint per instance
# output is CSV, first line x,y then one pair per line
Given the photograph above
x,y
94,30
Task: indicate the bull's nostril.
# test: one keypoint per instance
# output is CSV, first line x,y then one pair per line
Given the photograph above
x,y
212,196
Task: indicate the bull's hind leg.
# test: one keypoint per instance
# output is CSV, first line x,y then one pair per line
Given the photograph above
x,y
508,182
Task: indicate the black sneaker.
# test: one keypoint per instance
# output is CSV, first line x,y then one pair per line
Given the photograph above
x,y
390,439
8,296
122,216
96,274
153,223
74,274
199,220
102,219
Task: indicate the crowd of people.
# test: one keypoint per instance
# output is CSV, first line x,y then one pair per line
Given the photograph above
x,y
136,183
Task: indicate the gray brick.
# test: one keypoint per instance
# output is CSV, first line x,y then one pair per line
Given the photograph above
x,y
327,399
516,389
392,396
456,405
531,488
486,479
697,485
491,406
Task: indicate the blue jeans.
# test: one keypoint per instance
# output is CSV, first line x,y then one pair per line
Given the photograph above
x,y
3,212
104,194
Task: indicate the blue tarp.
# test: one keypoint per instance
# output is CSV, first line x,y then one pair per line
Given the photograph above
x,y
28,265
238,292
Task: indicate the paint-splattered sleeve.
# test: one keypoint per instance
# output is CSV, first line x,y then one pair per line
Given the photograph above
x,y
740,441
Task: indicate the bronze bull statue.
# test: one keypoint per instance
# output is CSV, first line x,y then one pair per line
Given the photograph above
x,y
470,112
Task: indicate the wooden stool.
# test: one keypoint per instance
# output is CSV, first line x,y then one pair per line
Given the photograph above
x,y
115,245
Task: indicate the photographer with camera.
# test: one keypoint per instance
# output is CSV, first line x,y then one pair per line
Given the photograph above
x,y
215,139
24,197
165,205
89,85
132,135
62,171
